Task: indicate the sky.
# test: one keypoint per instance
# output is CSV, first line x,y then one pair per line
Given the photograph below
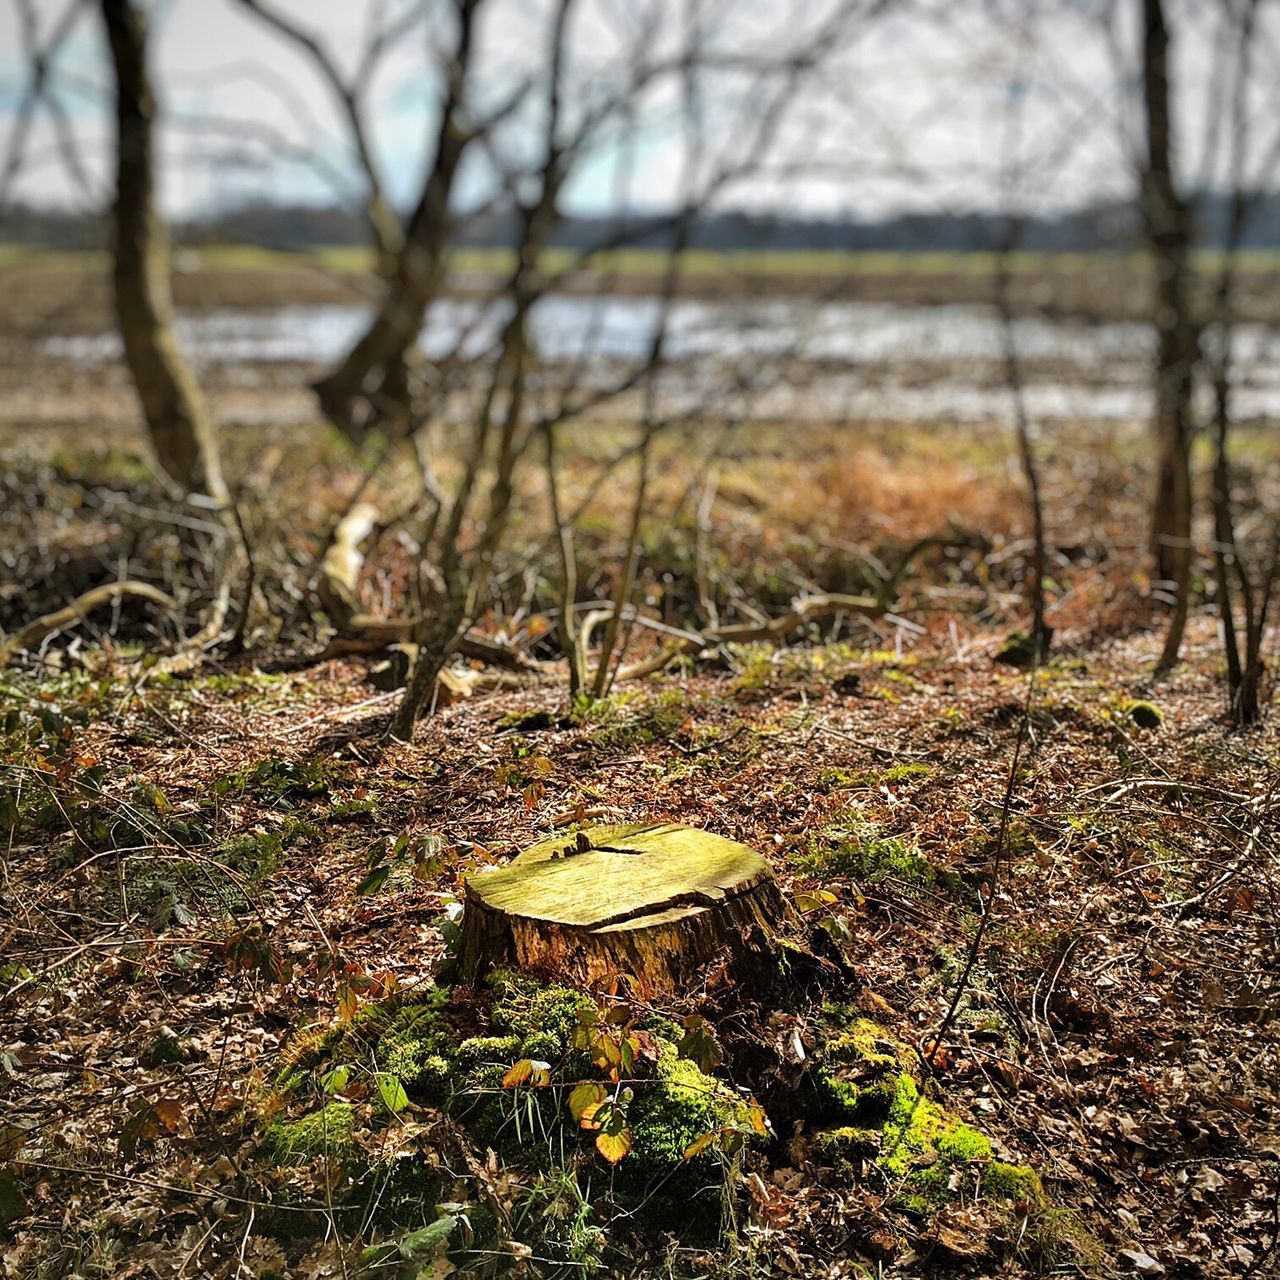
x,y
908,104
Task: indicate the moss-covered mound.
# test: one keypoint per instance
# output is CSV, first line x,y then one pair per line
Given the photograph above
x,y
605,1120
567,1093
870,1085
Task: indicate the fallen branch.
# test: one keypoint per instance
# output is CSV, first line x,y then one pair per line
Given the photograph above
x,y
361,632
342,563
39,628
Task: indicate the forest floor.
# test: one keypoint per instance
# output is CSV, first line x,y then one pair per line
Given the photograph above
x,y
1117,1032
200,860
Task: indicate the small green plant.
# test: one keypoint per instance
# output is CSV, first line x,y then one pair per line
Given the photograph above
x,y
526,772
557,1218
854,846
350,810
283,782
627,720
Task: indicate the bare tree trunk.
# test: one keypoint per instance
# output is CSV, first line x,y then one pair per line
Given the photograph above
x,y
373,376
568,567
171,403
1244,671
1168,229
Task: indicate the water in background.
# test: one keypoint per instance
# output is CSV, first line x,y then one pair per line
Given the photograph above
x,y
782,357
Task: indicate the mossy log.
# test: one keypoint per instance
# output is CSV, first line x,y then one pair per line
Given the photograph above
x,y
656,903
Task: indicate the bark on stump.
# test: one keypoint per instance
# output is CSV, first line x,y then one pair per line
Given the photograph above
x,y
654,902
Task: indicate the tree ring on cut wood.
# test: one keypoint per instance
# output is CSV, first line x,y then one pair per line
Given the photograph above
x,y
654,902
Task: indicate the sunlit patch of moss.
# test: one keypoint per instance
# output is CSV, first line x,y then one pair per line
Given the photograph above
x,y
909,772
1144,715
844,1143
417,1046
328,1132
1016,1182
845,779
681,1105
837,780
106,466
233,684
762,666
852,845
872,1082
456,1056
478,1049
525,1007
350,811
625,720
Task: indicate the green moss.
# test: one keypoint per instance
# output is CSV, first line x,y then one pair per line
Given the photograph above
x,y
544,1046
1017,1182
455,1055
525,1007
1144,715
626,720
681,1105
852,845
900,773
350,811
416,1044
328,1132
872,1083
838,779
960,1142
848,1141
477,1049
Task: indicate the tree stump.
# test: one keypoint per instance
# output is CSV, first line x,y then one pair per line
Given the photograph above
x,y
654,902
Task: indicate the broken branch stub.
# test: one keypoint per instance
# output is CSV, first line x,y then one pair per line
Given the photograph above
x,y
656,903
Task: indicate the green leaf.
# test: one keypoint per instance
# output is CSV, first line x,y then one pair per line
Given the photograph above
x,y
392,1092
374,880
699,1045
585,1097
838,929
336,1080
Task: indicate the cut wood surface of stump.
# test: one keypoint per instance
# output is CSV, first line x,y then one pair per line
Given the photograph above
x,y
653,902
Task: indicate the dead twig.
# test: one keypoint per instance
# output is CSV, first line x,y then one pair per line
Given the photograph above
x,y
40,628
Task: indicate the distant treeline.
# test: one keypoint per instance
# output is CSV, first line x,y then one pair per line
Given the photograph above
x,y
1105,226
